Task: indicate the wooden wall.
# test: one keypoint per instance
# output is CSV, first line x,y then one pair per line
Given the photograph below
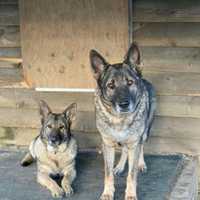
x,y
167,32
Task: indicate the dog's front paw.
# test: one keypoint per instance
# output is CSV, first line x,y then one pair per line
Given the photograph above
x,y
106,197
142,167
58,192
131,198
68,190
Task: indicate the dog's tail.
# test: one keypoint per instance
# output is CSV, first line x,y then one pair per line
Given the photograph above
x,y
27,160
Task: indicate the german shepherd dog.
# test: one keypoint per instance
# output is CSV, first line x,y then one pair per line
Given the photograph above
x,y
54,150
125,105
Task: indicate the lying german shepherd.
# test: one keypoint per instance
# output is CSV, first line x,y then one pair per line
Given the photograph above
x,y
125,105
54,150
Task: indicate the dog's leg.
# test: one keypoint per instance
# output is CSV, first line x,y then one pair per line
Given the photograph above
x,y
122,162
69,176
27,160
46,181
109,158
133,156
141,164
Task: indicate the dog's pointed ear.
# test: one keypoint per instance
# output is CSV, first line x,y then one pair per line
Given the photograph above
x,y
98,63
70,111
44,109
133,55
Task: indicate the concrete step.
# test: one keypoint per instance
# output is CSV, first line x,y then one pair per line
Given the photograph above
x,y
169,177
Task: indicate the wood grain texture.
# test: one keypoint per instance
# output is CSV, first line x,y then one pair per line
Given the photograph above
x,y
11,77
172,83
167,34
164,126
9,14
7,64
15,2
10,54
28,99
171,59
9,36
23,136
176,106
30,118
156,145
166,11
58,53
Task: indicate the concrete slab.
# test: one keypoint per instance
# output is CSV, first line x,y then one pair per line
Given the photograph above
x,y
18,183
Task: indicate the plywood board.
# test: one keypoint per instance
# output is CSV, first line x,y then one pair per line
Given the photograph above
x,y
58,35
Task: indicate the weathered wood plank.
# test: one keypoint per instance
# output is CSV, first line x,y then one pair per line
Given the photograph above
x,y
10,54
28,99
176,106
23,136
171,83
166,11
167,34
59,52
156,145
11,77
171,59
15,2
9,14
176,127
6,64
9,36
30,118
173,127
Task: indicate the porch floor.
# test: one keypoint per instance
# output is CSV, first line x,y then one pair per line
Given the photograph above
x,y
18,183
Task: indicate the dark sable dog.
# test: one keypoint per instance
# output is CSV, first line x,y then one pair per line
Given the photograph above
x,y
54,150
125,105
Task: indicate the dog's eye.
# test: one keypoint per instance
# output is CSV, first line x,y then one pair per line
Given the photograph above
x,y
111,85
49,126
130,82
61,127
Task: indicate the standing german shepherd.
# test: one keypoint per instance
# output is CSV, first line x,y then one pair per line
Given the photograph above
x,y
54,150
125,105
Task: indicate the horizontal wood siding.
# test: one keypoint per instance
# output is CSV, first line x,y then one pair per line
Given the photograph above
x,y
166,11
168,35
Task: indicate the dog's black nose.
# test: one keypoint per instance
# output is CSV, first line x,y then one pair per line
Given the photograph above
x,y
124,104
53,139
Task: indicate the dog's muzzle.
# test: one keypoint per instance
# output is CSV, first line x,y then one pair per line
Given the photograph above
x,y
54,140
124,107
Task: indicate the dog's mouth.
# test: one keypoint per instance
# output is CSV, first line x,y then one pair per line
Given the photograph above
x,y
124,108
53,146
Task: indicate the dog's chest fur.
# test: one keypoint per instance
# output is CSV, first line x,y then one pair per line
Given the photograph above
x,y
54,162
122,128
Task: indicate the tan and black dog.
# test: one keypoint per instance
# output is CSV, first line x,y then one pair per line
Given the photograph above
x,y
125,104
54,150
